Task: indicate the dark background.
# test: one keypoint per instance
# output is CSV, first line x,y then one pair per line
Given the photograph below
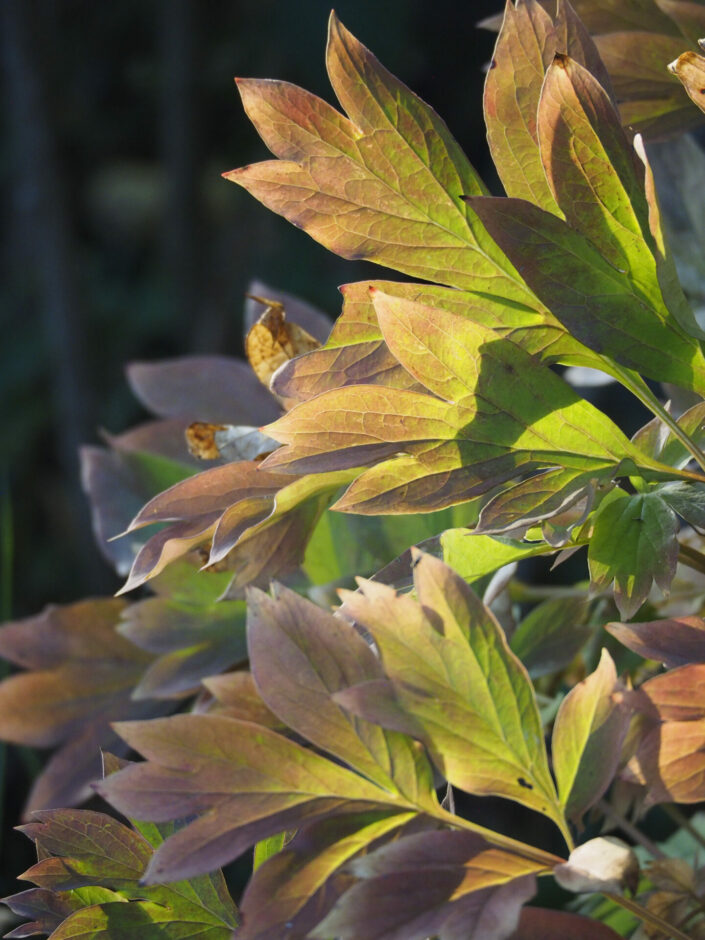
x,y
124,243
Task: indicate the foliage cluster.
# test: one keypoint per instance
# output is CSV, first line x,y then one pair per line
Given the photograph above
x,y
427,445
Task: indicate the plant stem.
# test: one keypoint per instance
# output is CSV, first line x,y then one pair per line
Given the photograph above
x,y
684,823
691,557
648,917
638,387
630,829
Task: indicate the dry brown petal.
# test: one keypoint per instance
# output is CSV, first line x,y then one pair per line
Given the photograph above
x,y
272,341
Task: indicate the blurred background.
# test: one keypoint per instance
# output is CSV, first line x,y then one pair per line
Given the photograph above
x,y
123,242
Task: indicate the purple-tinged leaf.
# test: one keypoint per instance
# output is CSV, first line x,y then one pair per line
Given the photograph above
x,y
189,641
80,677
163,438
217,389
301,656
454,674
673,642
48,908
536,923
237,697
633,544
292,891
384,184
596,302
451,885
550,637
588,734
676,695
241,782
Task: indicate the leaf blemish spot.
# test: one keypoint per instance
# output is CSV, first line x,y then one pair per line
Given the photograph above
x,y
525,783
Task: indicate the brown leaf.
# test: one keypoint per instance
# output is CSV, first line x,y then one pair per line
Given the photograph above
x,y
272,341
227,441
690,69
536,923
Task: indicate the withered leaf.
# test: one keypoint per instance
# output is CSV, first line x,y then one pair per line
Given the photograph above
x,y
273,340
689,67
227,441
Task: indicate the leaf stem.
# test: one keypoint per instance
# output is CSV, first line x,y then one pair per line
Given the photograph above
x,y
630,829
638,387
691,557
682,820
648,917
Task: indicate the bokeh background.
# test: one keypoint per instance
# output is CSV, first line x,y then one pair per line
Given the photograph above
x,y
123,242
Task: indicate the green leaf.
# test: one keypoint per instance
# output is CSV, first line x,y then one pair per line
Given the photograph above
x,y
474,556
549,638
588,734
633,543
596,302
454,675
384,183
267,848
83,853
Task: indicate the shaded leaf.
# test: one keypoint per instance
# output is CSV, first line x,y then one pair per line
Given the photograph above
x,y
455,676
676,695
674,642
538,924
687,499
80,677
633,543
335,179
445,884
189,642
660,443
549,638
588,734
217,389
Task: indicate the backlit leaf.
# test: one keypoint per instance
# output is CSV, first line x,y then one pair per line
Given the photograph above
x,y
587,739
633,543
455,676
689,67
595,301
335,177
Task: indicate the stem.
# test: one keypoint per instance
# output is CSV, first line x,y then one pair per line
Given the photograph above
x,y
684,823
691,557
630,829
648,917
547,859
638,387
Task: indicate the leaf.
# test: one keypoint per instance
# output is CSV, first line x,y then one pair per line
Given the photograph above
x,y
273,340
689,67
588,734
670,762
474,556
300,657
241,782
526,46
454,675
118,484
190,642
508,412
227,441
596,302
80,677
633,543
656,440
688,500
673,642
447,884
539,924
550,637
216,389
676,695
237,697
292,891
384,183
605,864
90,869
313,320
